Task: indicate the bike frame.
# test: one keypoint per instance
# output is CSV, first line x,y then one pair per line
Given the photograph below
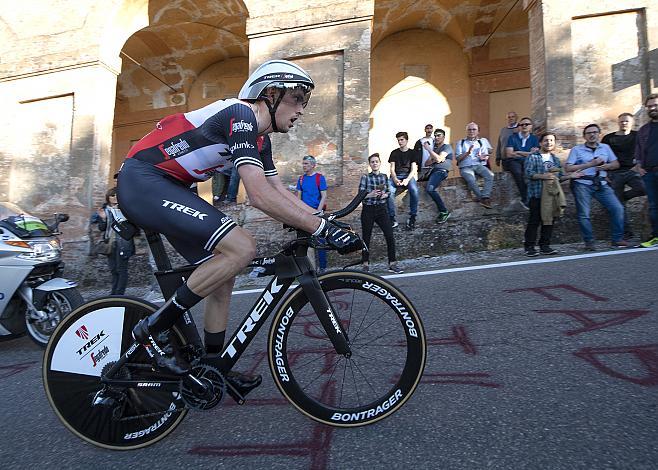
x,y
292,263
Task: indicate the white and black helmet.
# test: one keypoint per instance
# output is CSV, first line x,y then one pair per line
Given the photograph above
x,y
278,74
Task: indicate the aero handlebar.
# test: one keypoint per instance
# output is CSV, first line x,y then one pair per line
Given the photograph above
x,y
349,208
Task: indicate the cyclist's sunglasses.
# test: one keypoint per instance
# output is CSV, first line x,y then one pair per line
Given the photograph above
x,y
296,93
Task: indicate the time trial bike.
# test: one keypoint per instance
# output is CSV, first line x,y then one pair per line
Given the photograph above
x,y
346,348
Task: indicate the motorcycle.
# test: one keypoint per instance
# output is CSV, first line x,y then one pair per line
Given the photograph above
x,y
34,297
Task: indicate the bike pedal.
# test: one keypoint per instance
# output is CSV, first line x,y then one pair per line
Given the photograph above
x,y
234,393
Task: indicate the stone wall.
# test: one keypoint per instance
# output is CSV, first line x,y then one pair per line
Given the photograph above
x,y
599,60
470,228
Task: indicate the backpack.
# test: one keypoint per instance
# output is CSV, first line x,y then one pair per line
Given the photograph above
x,y
317,183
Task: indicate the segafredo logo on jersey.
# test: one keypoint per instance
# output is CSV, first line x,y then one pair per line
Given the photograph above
x,y
174,206
174,149
240,126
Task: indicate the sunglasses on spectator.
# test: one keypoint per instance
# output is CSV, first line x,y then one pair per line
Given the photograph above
x,y
525,124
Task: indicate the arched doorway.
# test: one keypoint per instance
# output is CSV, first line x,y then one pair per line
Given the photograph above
x,y
189,55
446,63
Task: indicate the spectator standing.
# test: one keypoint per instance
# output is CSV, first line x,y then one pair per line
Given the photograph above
x,y
420,149
542,168
374,211
312,190
121,250
233,186
472,154
519,146
404,169
622,144
594,160
505,132
646,157
440,162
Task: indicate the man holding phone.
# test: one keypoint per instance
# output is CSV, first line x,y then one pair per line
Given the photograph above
x,y
594,159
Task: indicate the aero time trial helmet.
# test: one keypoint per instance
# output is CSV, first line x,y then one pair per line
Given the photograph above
x,y
280,74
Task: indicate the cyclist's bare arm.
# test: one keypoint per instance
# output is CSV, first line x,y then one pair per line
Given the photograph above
x,y
275,202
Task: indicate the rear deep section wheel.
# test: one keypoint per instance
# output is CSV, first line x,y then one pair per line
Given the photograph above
x,y
387,343
114,417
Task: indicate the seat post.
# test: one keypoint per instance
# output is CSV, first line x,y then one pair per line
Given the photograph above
x,y
158,250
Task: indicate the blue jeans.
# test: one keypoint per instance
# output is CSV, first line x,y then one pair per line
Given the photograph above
x,y
322,259
583,193
436,177
234,184
651,187
412,187
470,172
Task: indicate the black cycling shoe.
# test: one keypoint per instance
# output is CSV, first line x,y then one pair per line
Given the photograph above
x,y
164,355
242,383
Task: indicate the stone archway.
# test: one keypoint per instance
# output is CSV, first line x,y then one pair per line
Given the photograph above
x,y
470,51
189,54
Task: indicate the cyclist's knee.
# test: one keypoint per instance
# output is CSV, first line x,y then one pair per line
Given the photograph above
x,y
239,245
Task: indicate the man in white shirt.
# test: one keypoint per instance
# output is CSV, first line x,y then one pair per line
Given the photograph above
x,y
472,154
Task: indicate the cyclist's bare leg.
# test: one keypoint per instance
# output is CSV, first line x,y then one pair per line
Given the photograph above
x,y
232,254
217,308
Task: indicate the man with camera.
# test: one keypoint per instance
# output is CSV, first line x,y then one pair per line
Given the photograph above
x,y
594,160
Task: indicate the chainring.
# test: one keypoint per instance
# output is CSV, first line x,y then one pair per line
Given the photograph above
x,y
122,374
210,377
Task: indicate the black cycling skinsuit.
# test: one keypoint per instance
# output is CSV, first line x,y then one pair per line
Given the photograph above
x,y
154,181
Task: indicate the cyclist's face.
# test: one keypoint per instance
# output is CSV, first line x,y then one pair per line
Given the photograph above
x,y
291,108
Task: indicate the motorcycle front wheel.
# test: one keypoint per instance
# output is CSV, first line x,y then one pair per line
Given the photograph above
x,y
57,305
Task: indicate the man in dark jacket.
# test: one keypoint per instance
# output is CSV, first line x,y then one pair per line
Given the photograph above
x,y
646,158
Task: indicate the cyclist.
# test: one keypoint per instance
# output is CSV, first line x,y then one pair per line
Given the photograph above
x,y
154,192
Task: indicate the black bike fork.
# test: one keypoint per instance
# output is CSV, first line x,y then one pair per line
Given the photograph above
x,y
324,310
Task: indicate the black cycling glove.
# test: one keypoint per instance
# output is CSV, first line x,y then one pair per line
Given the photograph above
x,y
344,240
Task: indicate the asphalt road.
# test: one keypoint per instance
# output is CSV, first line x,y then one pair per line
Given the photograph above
x,y
531,365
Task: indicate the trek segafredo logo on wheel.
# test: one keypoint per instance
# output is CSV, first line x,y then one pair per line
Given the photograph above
x,y
89,342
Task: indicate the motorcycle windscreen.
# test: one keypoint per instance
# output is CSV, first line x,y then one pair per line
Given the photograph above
x,y
90,343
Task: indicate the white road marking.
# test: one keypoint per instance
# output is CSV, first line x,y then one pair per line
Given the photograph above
x,y
552,259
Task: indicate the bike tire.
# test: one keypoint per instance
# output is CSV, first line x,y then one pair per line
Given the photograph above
x,y
92,336
388,345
